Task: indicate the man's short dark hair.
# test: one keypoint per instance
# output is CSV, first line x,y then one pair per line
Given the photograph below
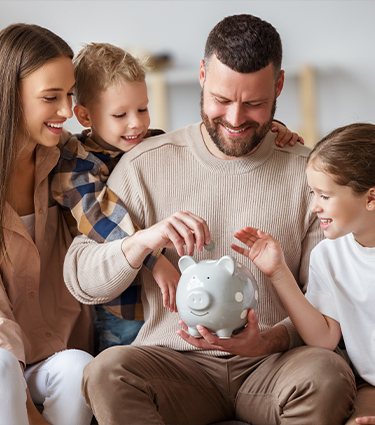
x,y
245,44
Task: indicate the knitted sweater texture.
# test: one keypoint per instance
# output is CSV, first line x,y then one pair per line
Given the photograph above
x,y
172,172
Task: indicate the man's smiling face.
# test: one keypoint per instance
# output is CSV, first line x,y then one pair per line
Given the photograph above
x,y
237,109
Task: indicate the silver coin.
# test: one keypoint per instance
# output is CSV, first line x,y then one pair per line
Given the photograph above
x,y
210,246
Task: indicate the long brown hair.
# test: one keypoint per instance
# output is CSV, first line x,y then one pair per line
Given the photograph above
x,y
23,49
348,153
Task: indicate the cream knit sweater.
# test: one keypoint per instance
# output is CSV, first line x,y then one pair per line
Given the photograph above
x,y
173,172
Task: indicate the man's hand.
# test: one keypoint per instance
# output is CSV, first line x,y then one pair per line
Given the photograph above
x,y
180,230
250,342
285,136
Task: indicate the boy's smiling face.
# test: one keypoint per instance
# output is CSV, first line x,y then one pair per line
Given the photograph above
x,y
119,118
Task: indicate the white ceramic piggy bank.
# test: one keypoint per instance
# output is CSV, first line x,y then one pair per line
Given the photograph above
x,y
216,294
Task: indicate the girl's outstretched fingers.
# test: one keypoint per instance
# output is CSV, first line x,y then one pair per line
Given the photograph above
x,y
247,236
263,250
241,250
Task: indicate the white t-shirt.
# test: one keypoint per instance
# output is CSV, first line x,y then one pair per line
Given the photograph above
x,y
342,286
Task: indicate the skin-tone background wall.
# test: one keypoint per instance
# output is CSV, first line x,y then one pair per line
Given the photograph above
x,y
333,37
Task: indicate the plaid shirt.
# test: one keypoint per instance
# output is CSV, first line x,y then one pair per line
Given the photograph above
x,y
79,186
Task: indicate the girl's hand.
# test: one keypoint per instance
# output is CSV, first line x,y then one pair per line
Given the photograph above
x,y
264,251
366,420
285,136
167,277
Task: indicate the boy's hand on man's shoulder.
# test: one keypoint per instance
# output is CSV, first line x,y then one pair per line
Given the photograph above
x,y
284,135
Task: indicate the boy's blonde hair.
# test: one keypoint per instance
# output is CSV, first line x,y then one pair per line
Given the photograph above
x,y
100,65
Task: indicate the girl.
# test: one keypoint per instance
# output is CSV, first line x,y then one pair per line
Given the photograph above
x,y
340,297
39,318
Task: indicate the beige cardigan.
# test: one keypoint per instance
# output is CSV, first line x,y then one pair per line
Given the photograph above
x,y
38,315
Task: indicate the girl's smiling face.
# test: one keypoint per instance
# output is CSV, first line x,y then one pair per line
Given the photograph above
x,y
339,208
46,96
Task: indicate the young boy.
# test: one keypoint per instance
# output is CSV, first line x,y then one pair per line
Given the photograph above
x,y
111,99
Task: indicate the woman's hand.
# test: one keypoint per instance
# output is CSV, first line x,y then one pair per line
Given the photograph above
x,y
33,415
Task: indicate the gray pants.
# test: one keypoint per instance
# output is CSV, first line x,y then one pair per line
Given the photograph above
x,y
154,385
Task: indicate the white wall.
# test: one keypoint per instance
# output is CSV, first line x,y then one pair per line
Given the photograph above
x,y
334,36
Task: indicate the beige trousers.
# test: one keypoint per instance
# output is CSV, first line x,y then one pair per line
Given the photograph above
x,y
154,385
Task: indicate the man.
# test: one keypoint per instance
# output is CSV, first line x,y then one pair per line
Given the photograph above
x,y
228,171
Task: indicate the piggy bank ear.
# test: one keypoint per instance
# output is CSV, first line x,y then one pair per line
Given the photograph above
x,y
229,263
186,262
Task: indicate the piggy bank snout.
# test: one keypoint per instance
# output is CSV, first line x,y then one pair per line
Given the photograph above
x,y
198,300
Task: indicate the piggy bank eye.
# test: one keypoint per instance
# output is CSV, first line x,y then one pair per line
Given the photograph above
x,y
208,277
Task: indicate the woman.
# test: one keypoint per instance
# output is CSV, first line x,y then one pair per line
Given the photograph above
x,y
44,331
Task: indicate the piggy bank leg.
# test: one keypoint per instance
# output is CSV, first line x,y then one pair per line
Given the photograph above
x,y
224,333
194,332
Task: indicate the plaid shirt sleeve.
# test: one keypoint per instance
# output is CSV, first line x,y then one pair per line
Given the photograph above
x,y
79,185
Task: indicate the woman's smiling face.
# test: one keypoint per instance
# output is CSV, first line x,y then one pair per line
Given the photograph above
x,y
46,96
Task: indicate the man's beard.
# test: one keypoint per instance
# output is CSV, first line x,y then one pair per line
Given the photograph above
x,y
241,145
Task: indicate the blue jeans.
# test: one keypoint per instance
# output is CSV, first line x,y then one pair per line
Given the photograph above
x,y
113,330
